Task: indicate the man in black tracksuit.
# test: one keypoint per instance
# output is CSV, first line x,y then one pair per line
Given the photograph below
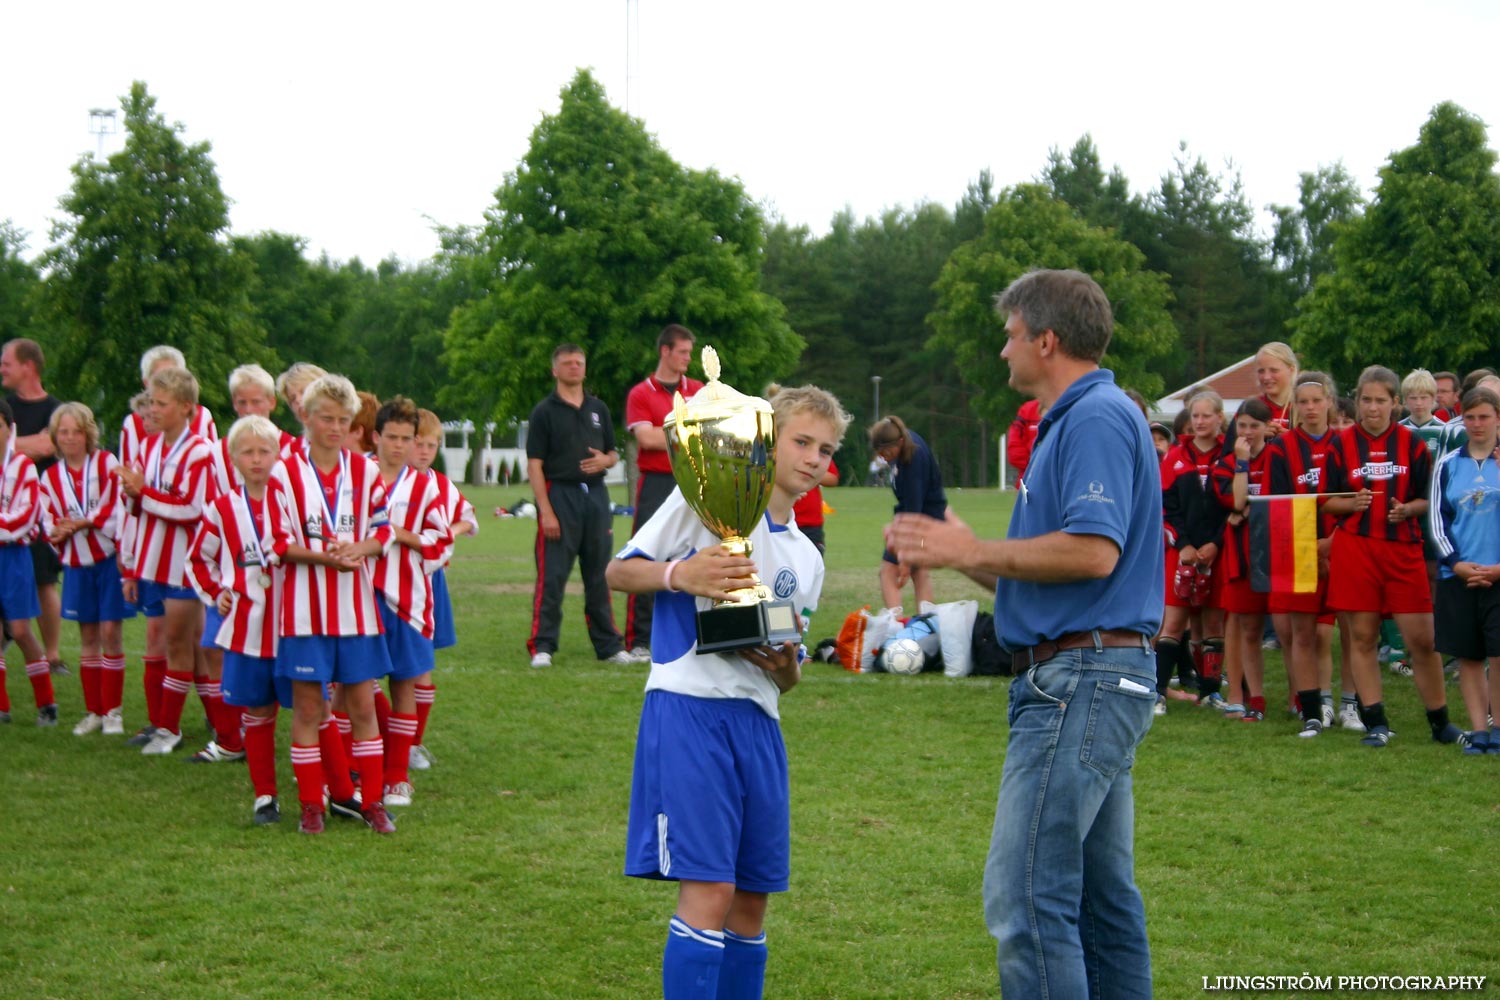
x,y
570,443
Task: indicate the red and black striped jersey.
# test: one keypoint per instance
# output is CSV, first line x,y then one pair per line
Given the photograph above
x,y
1237,536
1395,466
1191,513
1299,464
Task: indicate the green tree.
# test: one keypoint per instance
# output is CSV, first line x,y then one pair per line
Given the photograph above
x,y
302,303
598,237
141,259
1302,243
1029,229
19,282
1416,278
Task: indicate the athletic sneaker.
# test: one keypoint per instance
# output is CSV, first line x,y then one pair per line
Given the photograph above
x,y
541,660
398,794
1161,707
90,723
620,659
1253,715
1234,710
215,754
312,818
1401,667
113,724
142,736
58,668
1311,728
1327,715
346,808
1449,734
267,810
1349,718
163,743
1377,737
1214,701
379,820
641,654
46,716
4,718
420,758
1477,743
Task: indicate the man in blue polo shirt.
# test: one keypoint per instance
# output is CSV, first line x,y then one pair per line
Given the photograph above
x,y
1078,596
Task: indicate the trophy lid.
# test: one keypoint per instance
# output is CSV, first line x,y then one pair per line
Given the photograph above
x,y
715,399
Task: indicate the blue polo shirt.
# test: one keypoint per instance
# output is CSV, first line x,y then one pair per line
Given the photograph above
x,y
1093,471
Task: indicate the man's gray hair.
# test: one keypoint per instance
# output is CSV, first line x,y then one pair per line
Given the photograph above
x,y
1069,303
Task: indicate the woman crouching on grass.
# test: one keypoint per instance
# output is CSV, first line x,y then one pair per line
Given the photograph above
x,y
1240,475
709,801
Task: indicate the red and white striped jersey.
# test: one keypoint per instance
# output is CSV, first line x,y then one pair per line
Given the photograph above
x,y
232,551
170,506
20,511
321,600
133,433
413,504
226,477
92,492
456,508
291,444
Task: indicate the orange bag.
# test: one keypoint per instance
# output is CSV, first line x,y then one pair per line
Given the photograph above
x,y
851,641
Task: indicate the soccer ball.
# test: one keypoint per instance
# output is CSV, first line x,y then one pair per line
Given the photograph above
x,y
904,656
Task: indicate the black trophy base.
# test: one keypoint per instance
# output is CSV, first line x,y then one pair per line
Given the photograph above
x,y
745,626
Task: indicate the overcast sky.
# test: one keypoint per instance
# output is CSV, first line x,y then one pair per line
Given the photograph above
x,y
356,125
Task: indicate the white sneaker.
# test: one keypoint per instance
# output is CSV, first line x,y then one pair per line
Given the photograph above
x,y
163,743
1349,718
1327,715
641,654
90,723
114,723
398,794
1161,707
420,758
1311,729
541,660
620,659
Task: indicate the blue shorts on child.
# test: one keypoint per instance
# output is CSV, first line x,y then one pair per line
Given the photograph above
x,y
251,681
91,594
150,593
17,583
212,622
347,659
443,635
409,650
710,799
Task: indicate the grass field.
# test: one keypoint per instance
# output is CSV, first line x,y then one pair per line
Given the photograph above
x,y
1257,853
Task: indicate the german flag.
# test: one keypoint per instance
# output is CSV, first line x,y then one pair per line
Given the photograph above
x,y
1284,544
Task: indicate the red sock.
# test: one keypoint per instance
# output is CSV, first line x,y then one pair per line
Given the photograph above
x,y
335,762
112,683
369,754
226,718
174,692
307,765
398,747
4,694
151,681
260,753
89,669
425,695
346,733
205,689
40,675
1258,704
382,711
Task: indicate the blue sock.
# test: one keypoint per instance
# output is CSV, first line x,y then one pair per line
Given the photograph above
x,y
690,964
744,974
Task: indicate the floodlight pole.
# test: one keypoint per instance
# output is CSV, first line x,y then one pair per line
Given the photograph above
x,y
102,123
875,381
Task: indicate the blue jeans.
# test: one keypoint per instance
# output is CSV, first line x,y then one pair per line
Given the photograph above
x,y
1059,884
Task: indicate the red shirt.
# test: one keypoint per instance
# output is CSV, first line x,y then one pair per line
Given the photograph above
x,y
1395,466
808,510
650,402
1022,435
1299,465
1237,536
1281,415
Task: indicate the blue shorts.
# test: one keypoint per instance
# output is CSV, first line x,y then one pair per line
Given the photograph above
x,y
148,609
91,594
211,622
410,652
17,584
709,800
347,659
150,592
443,635
251,681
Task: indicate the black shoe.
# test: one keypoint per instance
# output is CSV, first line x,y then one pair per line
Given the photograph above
x,y
142,737
267,810
4,718
346,808
58,668
46,715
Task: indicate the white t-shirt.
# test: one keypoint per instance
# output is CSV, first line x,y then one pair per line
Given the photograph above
x,y
785,561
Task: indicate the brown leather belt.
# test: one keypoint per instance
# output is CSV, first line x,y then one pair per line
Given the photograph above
x,y
1025,659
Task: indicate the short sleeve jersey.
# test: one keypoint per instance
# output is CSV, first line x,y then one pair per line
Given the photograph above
x,y
1299,465
561,435
650,402
1093,471
1464,518
785,560
1395,466
918,483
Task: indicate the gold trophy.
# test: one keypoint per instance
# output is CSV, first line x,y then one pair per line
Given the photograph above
x,y
722,444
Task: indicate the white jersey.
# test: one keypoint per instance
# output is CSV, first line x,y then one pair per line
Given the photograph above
x,y
91,493
20,506
456,508
133,433
412,505
169,507
785,560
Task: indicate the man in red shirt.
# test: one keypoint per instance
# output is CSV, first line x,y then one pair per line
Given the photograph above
x,y
1022,435
646,407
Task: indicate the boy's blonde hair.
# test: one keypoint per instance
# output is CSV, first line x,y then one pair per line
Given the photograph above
x,y
178,383
253,426
1420,380
84,418
253,375
335,389
296,379
158,354
428,425
809,399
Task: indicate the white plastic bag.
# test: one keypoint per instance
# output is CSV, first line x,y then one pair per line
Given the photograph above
x,y
956,631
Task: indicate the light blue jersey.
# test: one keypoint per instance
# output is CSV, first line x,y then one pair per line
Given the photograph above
x,y
1464,519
